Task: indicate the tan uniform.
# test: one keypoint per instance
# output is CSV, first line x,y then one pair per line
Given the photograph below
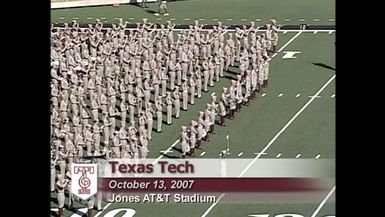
x,y
61,185
192,85
159,114
184,95
169,108
184,141
149,118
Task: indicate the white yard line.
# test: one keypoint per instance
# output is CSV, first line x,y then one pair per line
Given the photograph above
x,y
287,43
275,137
169,149
104,208
324,201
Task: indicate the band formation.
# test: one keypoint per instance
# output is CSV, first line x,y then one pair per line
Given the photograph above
x,y
111,86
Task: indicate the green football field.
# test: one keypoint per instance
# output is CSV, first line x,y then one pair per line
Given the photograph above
x,y
210,12
295,118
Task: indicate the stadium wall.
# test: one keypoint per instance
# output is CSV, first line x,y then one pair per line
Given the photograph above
x,y
55,4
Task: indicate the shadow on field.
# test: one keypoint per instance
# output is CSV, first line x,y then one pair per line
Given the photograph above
x,y
324,66
150,11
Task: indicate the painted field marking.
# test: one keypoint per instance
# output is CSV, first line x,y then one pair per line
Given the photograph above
x,y
273,140
201,19
298,156
287,19
314,97
323,202
172,18
130,18
332,96
61,18
331,20
296,96
240,154
330,32
89,18
316,20
215,19
287,43
263,94
258,19
261,153
103,18
280,95
229,19
318,156
104,208
186,18
54,209
243,19
301,20
315,32
275,137
203,153
284,32
166,151
290,54
278,155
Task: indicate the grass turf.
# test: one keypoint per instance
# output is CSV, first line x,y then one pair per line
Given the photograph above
x,y
223,10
